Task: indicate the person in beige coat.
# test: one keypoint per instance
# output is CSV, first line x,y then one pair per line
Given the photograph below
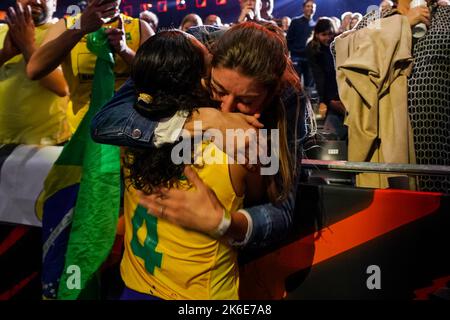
x,y
372,69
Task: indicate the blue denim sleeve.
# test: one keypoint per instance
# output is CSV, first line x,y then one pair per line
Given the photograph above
x,y
271,223
118,123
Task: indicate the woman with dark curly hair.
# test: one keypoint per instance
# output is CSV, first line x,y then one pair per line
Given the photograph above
x,y
167,73
163,260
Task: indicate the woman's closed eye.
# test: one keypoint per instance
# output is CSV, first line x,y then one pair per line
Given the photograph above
x,y
244,101
217,92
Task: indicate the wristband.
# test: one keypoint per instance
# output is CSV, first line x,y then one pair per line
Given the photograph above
x,y
223,226
235,243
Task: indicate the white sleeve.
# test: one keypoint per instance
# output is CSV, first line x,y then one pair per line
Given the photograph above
x,y
169,130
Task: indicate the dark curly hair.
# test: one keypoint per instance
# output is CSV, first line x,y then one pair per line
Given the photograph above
x,y
168,67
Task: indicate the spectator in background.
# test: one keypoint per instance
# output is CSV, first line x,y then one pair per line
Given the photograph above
x,y
346,18
297,36
67,45
321,62
213,20
336,23
267,9
150,18
356,18
386,5
31,112
250,10
285,23
82,4
190,20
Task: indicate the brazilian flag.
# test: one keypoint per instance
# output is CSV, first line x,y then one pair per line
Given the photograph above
x,y
81,198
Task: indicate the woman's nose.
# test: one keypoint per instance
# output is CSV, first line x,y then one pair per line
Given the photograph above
x,y
228,104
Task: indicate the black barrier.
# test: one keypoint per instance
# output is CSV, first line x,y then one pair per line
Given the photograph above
x,y
409,257
346,243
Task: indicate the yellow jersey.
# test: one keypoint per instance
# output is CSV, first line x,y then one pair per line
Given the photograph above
x,y
79,69
29,113
171,262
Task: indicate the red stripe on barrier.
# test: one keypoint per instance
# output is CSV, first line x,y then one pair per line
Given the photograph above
x,y
15,235
15,289
389,210
424,293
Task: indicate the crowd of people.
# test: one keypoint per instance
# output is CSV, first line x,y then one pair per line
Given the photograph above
x,y
184,223
64,114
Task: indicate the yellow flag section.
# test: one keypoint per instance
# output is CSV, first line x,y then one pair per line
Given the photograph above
x,y
171,262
